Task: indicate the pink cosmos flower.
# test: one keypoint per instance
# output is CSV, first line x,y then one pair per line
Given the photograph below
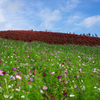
x,y
18,77
59,80
44,88
52,72
1,72
80,69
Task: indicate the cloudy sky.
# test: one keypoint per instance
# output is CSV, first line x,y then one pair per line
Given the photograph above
x,y
78,16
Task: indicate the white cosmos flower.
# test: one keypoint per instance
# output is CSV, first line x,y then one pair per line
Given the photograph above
x,y
83,87
17,89
22,96
98,89
71,95
6,96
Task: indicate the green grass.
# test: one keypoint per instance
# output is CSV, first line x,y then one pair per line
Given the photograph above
x,y
48,72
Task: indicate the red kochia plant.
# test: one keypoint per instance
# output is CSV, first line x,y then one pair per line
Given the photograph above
x,y
50,37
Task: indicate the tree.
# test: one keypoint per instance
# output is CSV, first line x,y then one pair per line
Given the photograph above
x,y
95,35
92,35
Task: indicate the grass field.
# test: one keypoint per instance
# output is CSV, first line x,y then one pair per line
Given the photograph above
x,y
39,71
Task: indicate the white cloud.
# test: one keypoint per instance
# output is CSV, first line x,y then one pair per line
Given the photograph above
x,y
48,17
5,25
90,21
72,19
3,1
13,6
10,14
68,5
2,19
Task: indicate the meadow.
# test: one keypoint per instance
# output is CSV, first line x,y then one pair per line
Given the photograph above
x,y
40,71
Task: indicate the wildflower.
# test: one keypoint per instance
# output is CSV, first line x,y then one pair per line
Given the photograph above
x,y
32,60
92,75
4,73
23,91
72,88
1,72
89,59
28,82
6,96
83,64
76,76
44,88
11,96
59,77
63,92
46,96
72,80
31,79
17,89
75,86
80,69
66,71
18,77
94,69
81,80
11,56
58,52
9,86
41,91
0,89
52,72
98,89
59,80
95,87
34,71
14,68
51,95
98,69
22,96
83,87
79,56
10,62
99,74
64,84
72,95
44,74
63,80
12,77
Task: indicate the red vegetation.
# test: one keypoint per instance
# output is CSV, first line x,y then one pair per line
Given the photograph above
x,y
49,37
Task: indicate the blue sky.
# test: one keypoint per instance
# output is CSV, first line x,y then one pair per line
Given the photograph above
x,y
78,16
